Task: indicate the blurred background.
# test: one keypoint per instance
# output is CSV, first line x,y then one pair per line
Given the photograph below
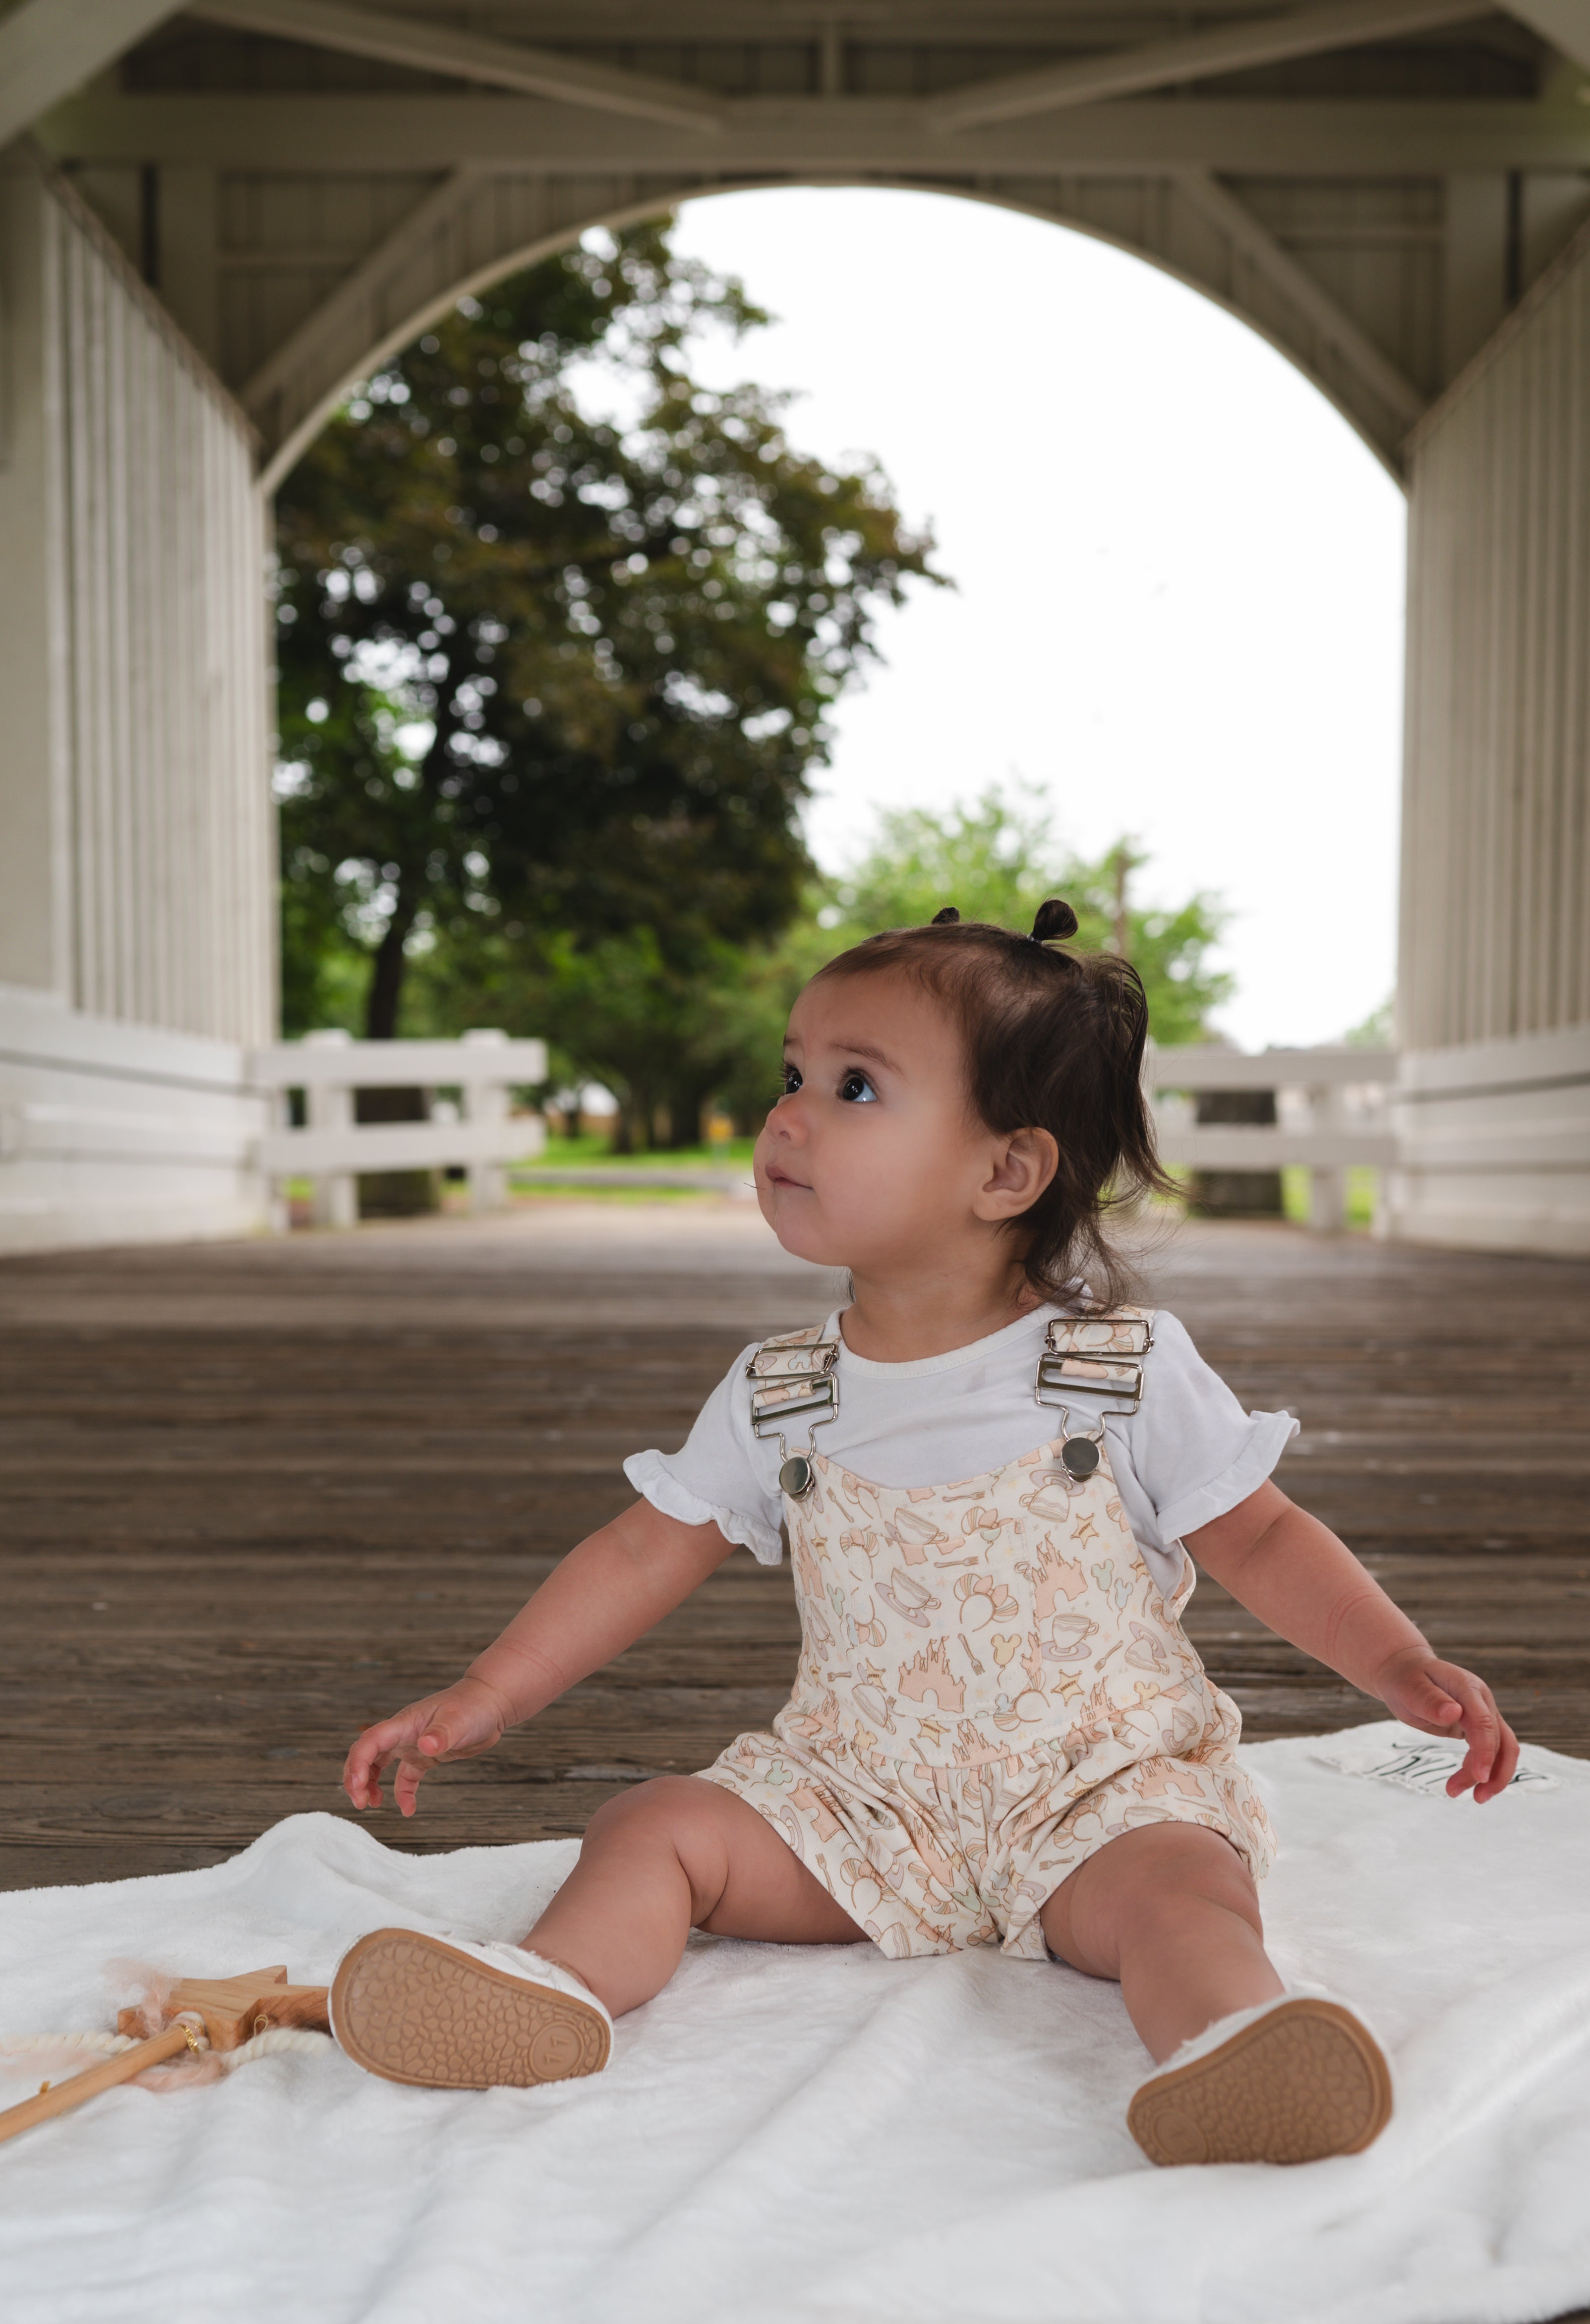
x,y
853,552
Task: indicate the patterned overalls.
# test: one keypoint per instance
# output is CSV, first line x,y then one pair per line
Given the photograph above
x,y
991,1685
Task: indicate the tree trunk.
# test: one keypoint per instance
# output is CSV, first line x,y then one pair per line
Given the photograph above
x,y
685,1100
386,977
392,1194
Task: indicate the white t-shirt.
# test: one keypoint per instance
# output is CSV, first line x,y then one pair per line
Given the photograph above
x,y
1186,1456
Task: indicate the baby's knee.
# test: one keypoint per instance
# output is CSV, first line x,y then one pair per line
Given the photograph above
x,y
675,1819
1190,1865
1140,1889
665,1802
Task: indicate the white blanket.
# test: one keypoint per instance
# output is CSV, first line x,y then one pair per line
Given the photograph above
x,y
826,2137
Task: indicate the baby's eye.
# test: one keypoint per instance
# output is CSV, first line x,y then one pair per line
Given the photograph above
x,y
856,1090
792,1077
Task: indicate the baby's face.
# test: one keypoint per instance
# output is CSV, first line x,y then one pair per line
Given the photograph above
x,y
871,1159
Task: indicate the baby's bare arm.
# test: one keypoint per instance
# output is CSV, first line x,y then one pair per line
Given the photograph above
x,y
1304,1584
598,1600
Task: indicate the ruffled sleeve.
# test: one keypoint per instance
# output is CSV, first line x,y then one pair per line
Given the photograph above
x,y
720,1475
1194,1451
652,1475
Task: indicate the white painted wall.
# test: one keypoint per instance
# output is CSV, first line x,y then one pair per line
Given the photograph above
x,y
1495,980
116,1133
137,889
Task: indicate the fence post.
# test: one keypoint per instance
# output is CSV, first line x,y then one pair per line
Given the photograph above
x,y
1327,1181
486,1101
279,1209
331,1106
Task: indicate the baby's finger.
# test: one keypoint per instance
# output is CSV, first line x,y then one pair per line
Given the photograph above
x,y
371,1751
1425,1701
448,1729
405,1784
1504,1766
359,1773
1482,1731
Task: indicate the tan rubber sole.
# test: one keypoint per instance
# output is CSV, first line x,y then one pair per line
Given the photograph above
x,y
411,2008
1305,2082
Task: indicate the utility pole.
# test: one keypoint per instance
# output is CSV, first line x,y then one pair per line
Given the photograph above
x,y
1122,928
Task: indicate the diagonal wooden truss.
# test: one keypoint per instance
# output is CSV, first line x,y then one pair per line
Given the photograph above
x,y
568,142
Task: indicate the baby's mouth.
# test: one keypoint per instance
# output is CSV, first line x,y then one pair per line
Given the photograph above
x,y
777,1177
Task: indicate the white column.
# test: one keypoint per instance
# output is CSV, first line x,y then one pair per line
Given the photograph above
x,y
486,1101
35,763
331,1107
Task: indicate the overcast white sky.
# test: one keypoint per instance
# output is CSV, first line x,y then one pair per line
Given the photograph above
x,y
1179,599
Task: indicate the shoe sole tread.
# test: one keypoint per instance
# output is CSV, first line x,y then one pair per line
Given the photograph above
x,y
412,2009
1304,2082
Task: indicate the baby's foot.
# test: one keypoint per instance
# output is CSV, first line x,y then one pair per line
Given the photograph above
x,y
451,2014
1292,2081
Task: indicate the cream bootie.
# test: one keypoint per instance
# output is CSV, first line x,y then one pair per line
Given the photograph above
x,y
1293,2080
452,2014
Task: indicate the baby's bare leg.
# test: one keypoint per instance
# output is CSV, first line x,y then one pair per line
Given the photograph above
x,y
672,1856
1171,1911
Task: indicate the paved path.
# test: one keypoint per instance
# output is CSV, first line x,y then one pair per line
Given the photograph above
x,y
252,1496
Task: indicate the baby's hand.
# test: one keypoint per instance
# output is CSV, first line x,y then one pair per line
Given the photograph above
x,y
1443,1698
459,1723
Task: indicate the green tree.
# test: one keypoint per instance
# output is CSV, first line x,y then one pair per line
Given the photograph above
x,y
997,860
665,1042
548,675
1377,1029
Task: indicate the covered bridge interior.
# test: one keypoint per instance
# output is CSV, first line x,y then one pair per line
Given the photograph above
x,y
218,217
255,1493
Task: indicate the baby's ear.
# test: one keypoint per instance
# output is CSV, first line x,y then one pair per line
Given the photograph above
x,y
1027,1162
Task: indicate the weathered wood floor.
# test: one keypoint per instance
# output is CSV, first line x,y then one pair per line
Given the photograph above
x,y
253,1496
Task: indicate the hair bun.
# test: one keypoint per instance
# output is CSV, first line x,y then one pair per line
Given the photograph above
x,y
1055,919
948,918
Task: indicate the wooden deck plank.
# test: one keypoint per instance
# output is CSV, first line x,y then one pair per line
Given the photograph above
x,y
252,1496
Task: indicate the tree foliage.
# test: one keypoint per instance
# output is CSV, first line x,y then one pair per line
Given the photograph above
x,y
665,1042
996,859
552,681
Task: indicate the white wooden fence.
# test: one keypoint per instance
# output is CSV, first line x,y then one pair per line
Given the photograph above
x,y
333,1148
1332,1109
1331,1105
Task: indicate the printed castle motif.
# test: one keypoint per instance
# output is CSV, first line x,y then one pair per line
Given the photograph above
x,y
929,1674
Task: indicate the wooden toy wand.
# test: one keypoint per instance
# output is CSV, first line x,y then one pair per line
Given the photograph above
x,y
214,2013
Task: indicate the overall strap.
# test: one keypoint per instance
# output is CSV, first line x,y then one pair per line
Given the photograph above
x,y
791,1375
1101,1354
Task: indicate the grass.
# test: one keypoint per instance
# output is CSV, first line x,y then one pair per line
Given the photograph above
x,y
1362,1187
589,1150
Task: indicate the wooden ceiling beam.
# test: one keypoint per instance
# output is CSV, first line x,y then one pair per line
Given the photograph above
x,y
851,136
1565,24
1227,48
1258,246
431,46
48,48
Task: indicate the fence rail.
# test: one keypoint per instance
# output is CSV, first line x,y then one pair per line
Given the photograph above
x,y
1331,1108
333,1147
1330,1104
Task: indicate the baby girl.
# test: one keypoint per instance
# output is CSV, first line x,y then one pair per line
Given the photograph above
x,y
994,1477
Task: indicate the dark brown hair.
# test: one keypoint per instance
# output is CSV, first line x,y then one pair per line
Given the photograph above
x,y
1054,1041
